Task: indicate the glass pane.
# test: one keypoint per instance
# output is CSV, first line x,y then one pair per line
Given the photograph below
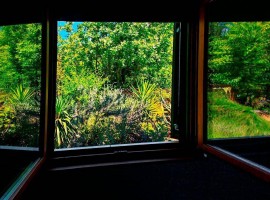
x,y
20,76
113,83
238,79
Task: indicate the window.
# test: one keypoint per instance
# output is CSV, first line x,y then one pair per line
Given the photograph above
x,y
233,119
238,80
20,101
99,77
238,98
20,84
114,83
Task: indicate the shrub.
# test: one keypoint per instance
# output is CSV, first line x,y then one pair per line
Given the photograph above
x,y
64,129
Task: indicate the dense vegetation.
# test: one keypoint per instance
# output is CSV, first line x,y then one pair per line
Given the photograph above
x,y
113,83
20,69
239,63
228,118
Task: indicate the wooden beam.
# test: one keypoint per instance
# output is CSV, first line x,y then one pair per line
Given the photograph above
x,y
201,46
251,167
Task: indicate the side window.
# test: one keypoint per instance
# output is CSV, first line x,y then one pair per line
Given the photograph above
x,y
20,97
238,80
20,83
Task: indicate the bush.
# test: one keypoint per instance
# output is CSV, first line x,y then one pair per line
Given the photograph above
x,y
19,118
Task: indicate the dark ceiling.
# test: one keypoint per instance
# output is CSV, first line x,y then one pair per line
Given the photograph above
x,y
100,11
238,10
217,10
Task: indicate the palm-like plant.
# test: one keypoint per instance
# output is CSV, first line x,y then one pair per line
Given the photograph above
x,y
21,95
149,101
64,129
144,92
146,95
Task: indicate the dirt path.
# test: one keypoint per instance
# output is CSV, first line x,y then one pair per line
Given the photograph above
x,y
266,117
263,115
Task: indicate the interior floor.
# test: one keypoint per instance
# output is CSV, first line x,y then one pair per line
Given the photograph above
x,y
201,177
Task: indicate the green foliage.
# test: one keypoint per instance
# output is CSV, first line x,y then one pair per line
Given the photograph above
x,y
144,92
113,116
6,116
64,129
97,64
77,82
155,109
20,47
20,70
165,99
119,51
239,57
19,119
21,95
110,118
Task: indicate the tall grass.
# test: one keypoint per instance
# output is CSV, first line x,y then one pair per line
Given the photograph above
x,y
228,119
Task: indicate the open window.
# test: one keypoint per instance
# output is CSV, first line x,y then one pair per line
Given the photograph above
x,y
20,100
237,83
77,85
114,83
20,85
22,92
120,85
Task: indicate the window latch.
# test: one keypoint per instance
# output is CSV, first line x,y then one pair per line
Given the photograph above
x,y
176,127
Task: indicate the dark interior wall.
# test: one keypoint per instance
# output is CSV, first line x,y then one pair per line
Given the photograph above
x,y
194,178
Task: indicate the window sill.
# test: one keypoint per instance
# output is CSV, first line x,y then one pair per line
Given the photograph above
x,y
119,156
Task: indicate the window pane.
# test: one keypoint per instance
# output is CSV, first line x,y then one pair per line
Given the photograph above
x,y
238,79
113,83
20,76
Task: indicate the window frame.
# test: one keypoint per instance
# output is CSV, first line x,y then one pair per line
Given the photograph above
x,y
256,140
250,141
36,151
48,15
35,155
177,74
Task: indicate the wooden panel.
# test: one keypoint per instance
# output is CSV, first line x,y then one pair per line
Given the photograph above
x,y
200,87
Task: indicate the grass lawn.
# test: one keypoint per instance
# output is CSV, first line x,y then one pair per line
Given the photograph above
x,y
228,119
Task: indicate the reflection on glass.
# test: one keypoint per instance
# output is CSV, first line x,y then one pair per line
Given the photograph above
x,y
20,71
113,83
14,165
238,79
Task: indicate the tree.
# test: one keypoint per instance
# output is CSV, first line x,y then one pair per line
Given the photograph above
x,y
239,57
20,76
120,52
20,47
